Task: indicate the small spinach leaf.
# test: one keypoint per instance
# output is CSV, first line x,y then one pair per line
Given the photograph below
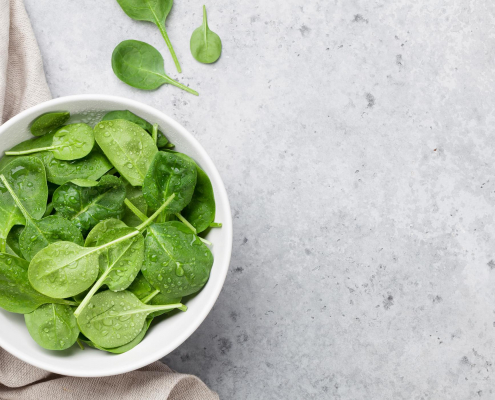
x,y
39,233
129,147
53,326
170,173
200,212
113,319
141,65
49,122
206,46
129,116
87,205
155,11
70,142
16,293
176,262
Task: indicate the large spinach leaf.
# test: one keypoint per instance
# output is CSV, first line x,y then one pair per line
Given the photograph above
x,y
170,173
128,146
113,319
176,261
129,116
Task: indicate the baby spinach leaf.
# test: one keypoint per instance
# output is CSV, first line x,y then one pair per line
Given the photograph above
x,y
143,290
119,265
53,326
129,116
16,293
39,233
206,45
63,269
27,177
141,65
87,205
49,122
155,11
93,166
134,196
170,173
70,142
200,212
176,262
129,147
113,319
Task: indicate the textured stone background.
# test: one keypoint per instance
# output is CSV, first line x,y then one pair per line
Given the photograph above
x,y
356,141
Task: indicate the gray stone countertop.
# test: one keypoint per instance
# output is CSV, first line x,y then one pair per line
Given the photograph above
x,y
356,141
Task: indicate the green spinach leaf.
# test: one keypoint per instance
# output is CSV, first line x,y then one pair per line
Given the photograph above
x,y
53,326
140,65
206,46
113,319
87,205
176,261
70,142
27,177
39,233
129,147
170,173
49,122
129,116
16,293
200,212
155,11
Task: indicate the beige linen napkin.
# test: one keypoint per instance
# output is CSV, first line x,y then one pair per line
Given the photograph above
x,y
22,85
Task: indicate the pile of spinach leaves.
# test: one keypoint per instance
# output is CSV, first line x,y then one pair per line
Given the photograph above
x,y
99,230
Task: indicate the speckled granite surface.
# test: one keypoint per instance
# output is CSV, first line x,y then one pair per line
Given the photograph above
x,y
356,140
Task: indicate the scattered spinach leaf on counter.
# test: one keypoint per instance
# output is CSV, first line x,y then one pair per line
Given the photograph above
x,y
141,65
206,45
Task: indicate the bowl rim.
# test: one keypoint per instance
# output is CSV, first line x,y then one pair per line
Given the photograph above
x,y
226,225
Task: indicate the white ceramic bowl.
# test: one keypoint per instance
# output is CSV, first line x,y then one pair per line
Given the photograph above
x,y
165,336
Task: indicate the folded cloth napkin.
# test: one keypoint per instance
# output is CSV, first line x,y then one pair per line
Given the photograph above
x,y
22,85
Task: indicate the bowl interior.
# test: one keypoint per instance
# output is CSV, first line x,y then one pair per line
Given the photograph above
x,y
165,336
